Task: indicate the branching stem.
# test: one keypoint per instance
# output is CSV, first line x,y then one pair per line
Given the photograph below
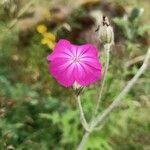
x,y
102,117
82,116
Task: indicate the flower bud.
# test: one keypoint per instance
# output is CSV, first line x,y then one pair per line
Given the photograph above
x,y
106,33
77,88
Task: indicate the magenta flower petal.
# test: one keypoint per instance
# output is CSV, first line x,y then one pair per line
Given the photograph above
x,y
61,50
62,71
72,63
91,75
88,50
89,61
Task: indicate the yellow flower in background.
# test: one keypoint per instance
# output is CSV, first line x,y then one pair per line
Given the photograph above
x,y
45,41
49,40
49,36
51,45
41,28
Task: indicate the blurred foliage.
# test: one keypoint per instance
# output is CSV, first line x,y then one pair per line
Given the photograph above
x,y
132,29
37,113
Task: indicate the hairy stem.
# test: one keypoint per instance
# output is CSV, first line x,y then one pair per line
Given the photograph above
x,y
83,141
107,51
102,117
82,116
127,88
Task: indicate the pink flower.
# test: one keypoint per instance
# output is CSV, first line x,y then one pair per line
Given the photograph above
x,y
71,64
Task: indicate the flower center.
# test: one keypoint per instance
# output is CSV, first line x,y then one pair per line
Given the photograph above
x,y
76,59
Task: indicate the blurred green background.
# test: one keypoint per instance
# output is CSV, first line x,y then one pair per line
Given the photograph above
x,y
38,114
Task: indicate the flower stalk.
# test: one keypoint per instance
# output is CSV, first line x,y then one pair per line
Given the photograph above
x,y
82,116
107,53
116,102
106,36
